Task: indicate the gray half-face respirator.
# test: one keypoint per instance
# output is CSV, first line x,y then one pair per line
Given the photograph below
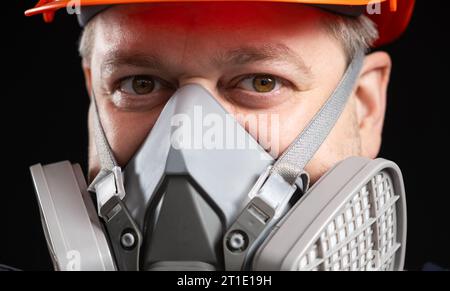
x,y
178,207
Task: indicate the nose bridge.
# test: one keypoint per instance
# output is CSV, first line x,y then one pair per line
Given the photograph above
x,y
195,64
210,84
206,82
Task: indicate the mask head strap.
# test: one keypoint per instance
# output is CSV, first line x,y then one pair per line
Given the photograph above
x,y
293,161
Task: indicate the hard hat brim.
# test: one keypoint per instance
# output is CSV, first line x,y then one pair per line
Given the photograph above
x,y
391,16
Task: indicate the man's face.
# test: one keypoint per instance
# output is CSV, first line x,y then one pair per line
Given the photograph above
x,y
256,59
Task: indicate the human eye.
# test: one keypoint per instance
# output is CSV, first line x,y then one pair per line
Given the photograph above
x,y
261,83
139,85
141,92
259,91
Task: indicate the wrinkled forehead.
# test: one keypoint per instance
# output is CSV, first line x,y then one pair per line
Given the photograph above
x,y
210,31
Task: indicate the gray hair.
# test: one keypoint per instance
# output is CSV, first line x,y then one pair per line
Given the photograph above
x,y
354,34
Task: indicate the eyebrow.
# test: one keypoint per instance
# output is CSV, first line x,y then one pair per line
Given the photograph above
x,y
269,52
117,59
238,56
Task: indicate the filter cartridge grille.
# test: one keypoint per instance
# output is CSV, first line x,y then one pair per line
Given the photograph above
x,y
362,235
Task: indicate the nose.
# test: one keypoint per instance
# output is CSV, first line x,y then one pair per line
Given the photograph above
x,y
208,84
212,86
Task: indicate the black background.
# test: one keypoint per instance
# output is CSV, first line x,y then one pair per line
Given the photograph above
x,y
44,107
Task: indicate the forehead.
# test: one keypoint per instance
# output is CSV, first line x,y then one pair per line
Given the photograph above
x,y
228,21
196,35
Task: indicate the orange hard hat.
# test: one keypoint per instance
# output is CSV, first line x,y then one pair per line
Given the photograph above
x,y
391,16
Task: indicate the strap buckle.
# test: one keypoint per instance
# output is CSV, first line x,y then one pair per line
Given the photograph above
x,y
124,234
269,201
106,185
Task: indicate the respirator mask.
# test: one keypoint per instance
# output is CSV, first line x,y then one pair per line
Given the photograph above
x,y
179,207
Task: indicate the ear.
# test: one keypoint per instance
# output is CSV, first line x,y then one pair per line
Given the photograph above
x,y
371,94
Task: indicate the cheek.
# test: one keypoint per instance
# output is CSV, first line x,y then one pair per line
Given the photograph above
x,y
343,142
125,131
293,120
297,113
